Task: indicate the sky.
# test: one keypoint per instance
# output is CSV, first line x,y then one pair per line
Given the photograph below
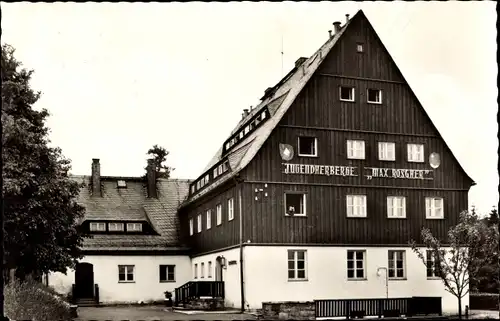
x,y
119,78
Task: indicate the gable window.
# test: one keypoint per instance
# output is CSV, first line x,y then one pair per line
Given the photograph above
x,y
199,223
416,153
308,146
134,227
346,93
115,227
297,265
355,149
434,207
356,205
397,264
356,265
202,270
195,270
209,219
374,96
191,230
98,227
396,206
386,151
209,270
167,273
359,47
432,265
219,214
125,273
295,204
230,209
121,184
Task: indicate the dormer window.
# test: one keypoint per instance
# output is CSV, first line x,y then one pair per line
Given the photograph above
x,y
263,115
121,184
97,227
134,227
115,227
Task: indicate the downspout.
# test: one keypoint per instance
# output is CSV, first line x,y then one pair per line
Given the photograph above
x,y
241,243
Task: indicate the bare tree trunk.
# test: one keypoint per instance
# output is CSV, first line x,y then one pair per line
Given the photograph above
x,y
459,307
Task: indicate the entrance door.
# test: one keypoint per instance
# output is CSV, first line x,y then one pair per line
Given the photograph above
x,y
218,269
84,281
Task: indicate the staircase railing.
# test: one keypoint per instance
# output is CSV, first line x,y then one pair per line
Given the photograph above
x,y
197,289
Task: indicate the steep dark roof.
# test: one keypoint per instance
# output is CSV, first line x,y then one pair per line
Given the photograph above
x,y
132,204
278,99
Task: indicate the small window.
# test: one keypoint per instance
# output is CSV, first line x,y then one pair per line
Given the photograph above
x,y
115,227
434,208
247,130
355,149
346,93
125,273
356,205
167,273
297,265
193,189
432,265
230,209
207,179
308,146
386,151
98,227
209,270
396,207
416,153
263,115
295,204
215,172
397,264
196,271
219,214
121,184
191,230
134,227
374,96
202,270
199,223
209,219
359,47
356,265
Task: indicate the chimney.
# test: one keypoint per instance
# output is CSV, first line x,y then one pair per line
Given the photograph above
x,y
347,18
151,178
330,34
300,61
336,24
244,113
96,177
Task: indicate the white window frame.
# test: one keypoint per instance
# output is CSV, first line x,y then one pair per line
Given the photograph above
x,y
355,149
209,219
431,208
215,173
295,269
191,226
379,102
219,214
126,269
315,154
199,223
416,153
360,47
134,227
304,202
196,270
115,227
209,270
356,205
430,265
393,256
167,268
202,270
396,207
386,151
355,265
97,227
230,209
353,92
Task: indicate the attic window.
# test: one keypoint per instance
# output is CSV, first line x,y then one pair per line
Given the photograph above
x,y
100,227
346,93
134,227
359,47
121,184
113,227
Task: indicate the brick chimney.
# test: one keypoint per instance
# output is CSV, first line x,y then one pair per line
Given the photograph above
x,y
245,113
337,26
96,177
151,179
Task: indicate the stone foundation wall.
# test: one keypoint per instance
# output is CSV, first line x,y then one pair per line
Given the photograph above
x,y
288,310
206,304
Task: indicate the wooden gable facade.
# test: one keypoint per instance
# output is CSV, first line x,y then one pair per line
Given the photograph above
x,y
358,61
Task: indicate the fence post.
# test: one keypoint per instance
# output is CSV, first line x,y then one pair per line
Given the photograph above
x,y
380,307
347,309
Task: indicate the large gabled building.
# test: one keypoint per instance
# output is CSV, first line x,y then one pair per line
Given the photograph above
x,y
322,185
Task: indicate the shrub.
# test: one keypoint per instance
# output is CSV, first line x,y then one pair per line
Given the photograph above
x,y
31,300
484,301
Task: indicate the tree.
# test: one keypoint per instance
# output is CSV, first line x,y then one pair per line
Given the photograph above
x,y
469,246
40,209
159,155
